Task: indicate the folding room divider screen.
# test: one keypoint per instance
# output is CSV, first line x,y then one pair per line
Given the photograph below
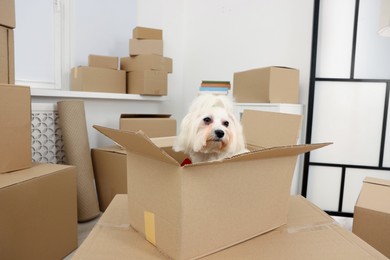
x,y
348,104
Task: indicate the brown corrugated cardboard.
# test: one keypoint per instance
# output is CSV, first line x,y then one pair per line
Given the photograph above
x,y
371,219
267,85
38,217
146,62
15,130
109,167
309,234
176,207
98,80
153,125
7,68
147,82
147,33
100,61
138,47
7,13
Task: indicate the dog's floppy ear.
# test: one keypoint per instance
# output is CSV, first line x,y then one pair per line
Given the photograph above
x,y
184,141
239,140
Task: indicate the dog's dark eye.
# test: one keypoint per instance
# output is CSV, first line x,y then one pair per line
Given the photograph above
x,y
226,123
207,120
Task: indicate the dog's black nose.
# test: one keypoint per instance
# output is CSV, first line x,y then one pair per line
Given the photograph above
x,y
219,133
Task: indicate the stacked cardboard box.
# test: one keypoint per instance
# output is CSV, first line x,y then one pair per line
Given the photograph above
x,y
147,69
109,162
101,75
37,201
7,24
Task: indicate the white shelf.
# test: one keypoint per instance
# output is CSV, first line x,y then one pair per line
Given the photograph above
x,y
91,95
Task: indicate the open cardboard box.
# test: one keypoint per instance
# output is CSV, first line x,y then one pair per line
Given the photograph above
x,y
227,201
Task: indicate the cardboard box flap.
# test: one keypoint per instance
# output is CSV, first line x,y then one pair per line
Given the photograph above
x,y
280,151
375,195
269,129
377,181
136,142
145,116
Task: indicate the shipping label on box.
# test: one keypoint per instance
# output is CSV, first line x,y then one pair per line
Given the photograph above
x,y
98,80
15,130
372,214
267,85
138,47
153,125
146,62
147,33
107,62
176,207
147,82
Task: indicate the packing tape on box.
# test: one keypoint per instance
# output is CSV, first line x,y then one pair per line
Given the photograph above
x,y
150,227
77,152
311,227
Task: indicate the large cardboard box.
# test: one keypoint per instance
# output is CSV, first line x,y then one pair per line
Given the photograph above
x,y
267,85
7,13
100,61
7,67
138,47
147,82
110,171
146,62
228,201
309,234
15,130
98,80
38,218
147,33
371,219
153,125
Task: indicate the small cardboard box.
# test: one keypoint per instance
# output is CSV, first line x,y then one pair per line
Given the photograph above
x,y
38,217
110,171
371,220
267,85
98,80
147,82
100,61
146,62
15,130
138,47
7,13
309,234
228,201
153,125
7,67
147,33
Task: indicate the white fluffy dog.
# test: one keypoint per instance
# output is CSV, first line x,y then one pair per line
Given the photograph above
x,y
210,131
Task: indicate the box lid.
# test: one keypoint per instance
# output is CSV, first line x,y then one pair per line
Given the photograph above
x,y
375,195
269,129
139,143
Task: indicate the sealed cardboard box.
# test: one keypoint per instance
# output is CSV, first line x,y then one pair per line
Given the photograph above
x,y
147,33
309,234
38,217
147,82
177,207
7,13
138,47
146,62
110,171
7,67
15,130
267,85
153,125
371,220
98,80
100,61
